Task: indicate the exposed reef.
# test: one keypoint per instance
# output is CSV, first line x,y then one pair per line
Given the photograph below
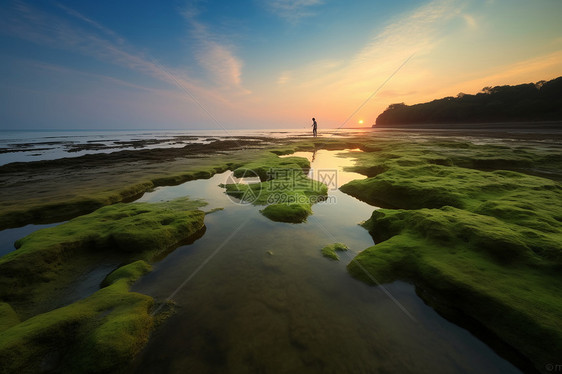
x,y
481,242
103,331
98,334
284,188
57,190
475,225
330,251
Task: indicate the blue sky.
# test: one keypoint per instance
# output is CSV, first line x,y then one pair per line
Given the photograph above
x,y
270,63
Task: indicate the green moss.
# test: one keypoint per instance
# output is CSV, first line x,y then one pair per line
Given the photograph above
x,y
517,302
434,186
133,231
8,317
290,213
484,243
104,331
388,151
265,165
58,202
330,250
283,151
402,191
285,189
131,271
100,333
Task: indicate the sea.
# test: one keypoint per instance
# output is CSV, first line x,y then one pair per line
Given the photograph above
x,y
26,146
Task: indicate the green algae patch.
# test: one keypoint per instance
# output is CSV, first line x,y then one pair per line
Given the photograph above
x,y
132,271
8,317
434,186
122,227
129,231
479,242
104,331
391,152
265,164
84,204
100,333
330,251
284,188
290,213
518,301
58,190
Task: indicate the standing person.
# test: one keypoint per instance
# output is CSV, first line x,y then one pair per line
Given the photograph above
x,y
314,127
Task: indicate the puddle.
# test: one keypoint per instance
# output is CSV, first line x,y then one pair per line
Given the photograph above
x,y
206,189
9,236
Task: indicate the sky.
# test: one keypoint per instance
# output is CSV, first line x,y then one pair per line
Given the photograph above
x,y
107,65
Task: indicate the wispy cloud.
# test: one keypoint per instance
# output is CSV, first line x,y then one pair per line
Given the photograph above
x,y
222,64
91,22
47,29
470,20
293,10
188,99
215,55
75,73
340,85
416,32
89,38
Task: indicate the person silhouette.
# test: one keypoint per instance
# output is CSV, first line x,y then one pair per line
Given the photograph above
x,y
314,127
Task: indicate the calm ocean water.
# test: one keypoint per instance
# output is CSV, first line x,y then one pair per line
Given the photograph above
x,y
25,146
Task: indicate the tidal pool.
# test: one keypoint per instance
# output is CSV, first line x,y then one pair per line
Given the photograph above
x,y
254,295
9,236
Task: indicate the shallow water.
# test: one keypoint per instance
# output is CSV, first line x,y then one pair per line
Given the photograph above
x,y
254,295
25,146
9,236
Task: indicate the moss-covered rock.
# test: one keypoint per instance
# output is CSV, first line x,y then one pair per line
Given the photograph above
x,y
8,317
128,231
104,331
264,166
486,244
285,188
75,203
290,213
98,334
329,251
132,271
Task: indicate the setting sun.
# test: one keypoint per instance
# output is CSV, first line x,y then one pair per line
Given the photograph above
x,y
360,122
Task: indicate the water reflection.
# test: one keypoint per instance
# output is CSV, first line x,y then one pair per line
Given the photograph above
x,y
269,302
9,236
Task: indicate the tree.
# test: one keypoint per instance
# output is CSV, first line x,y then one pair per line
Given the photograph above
x,y
539,101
